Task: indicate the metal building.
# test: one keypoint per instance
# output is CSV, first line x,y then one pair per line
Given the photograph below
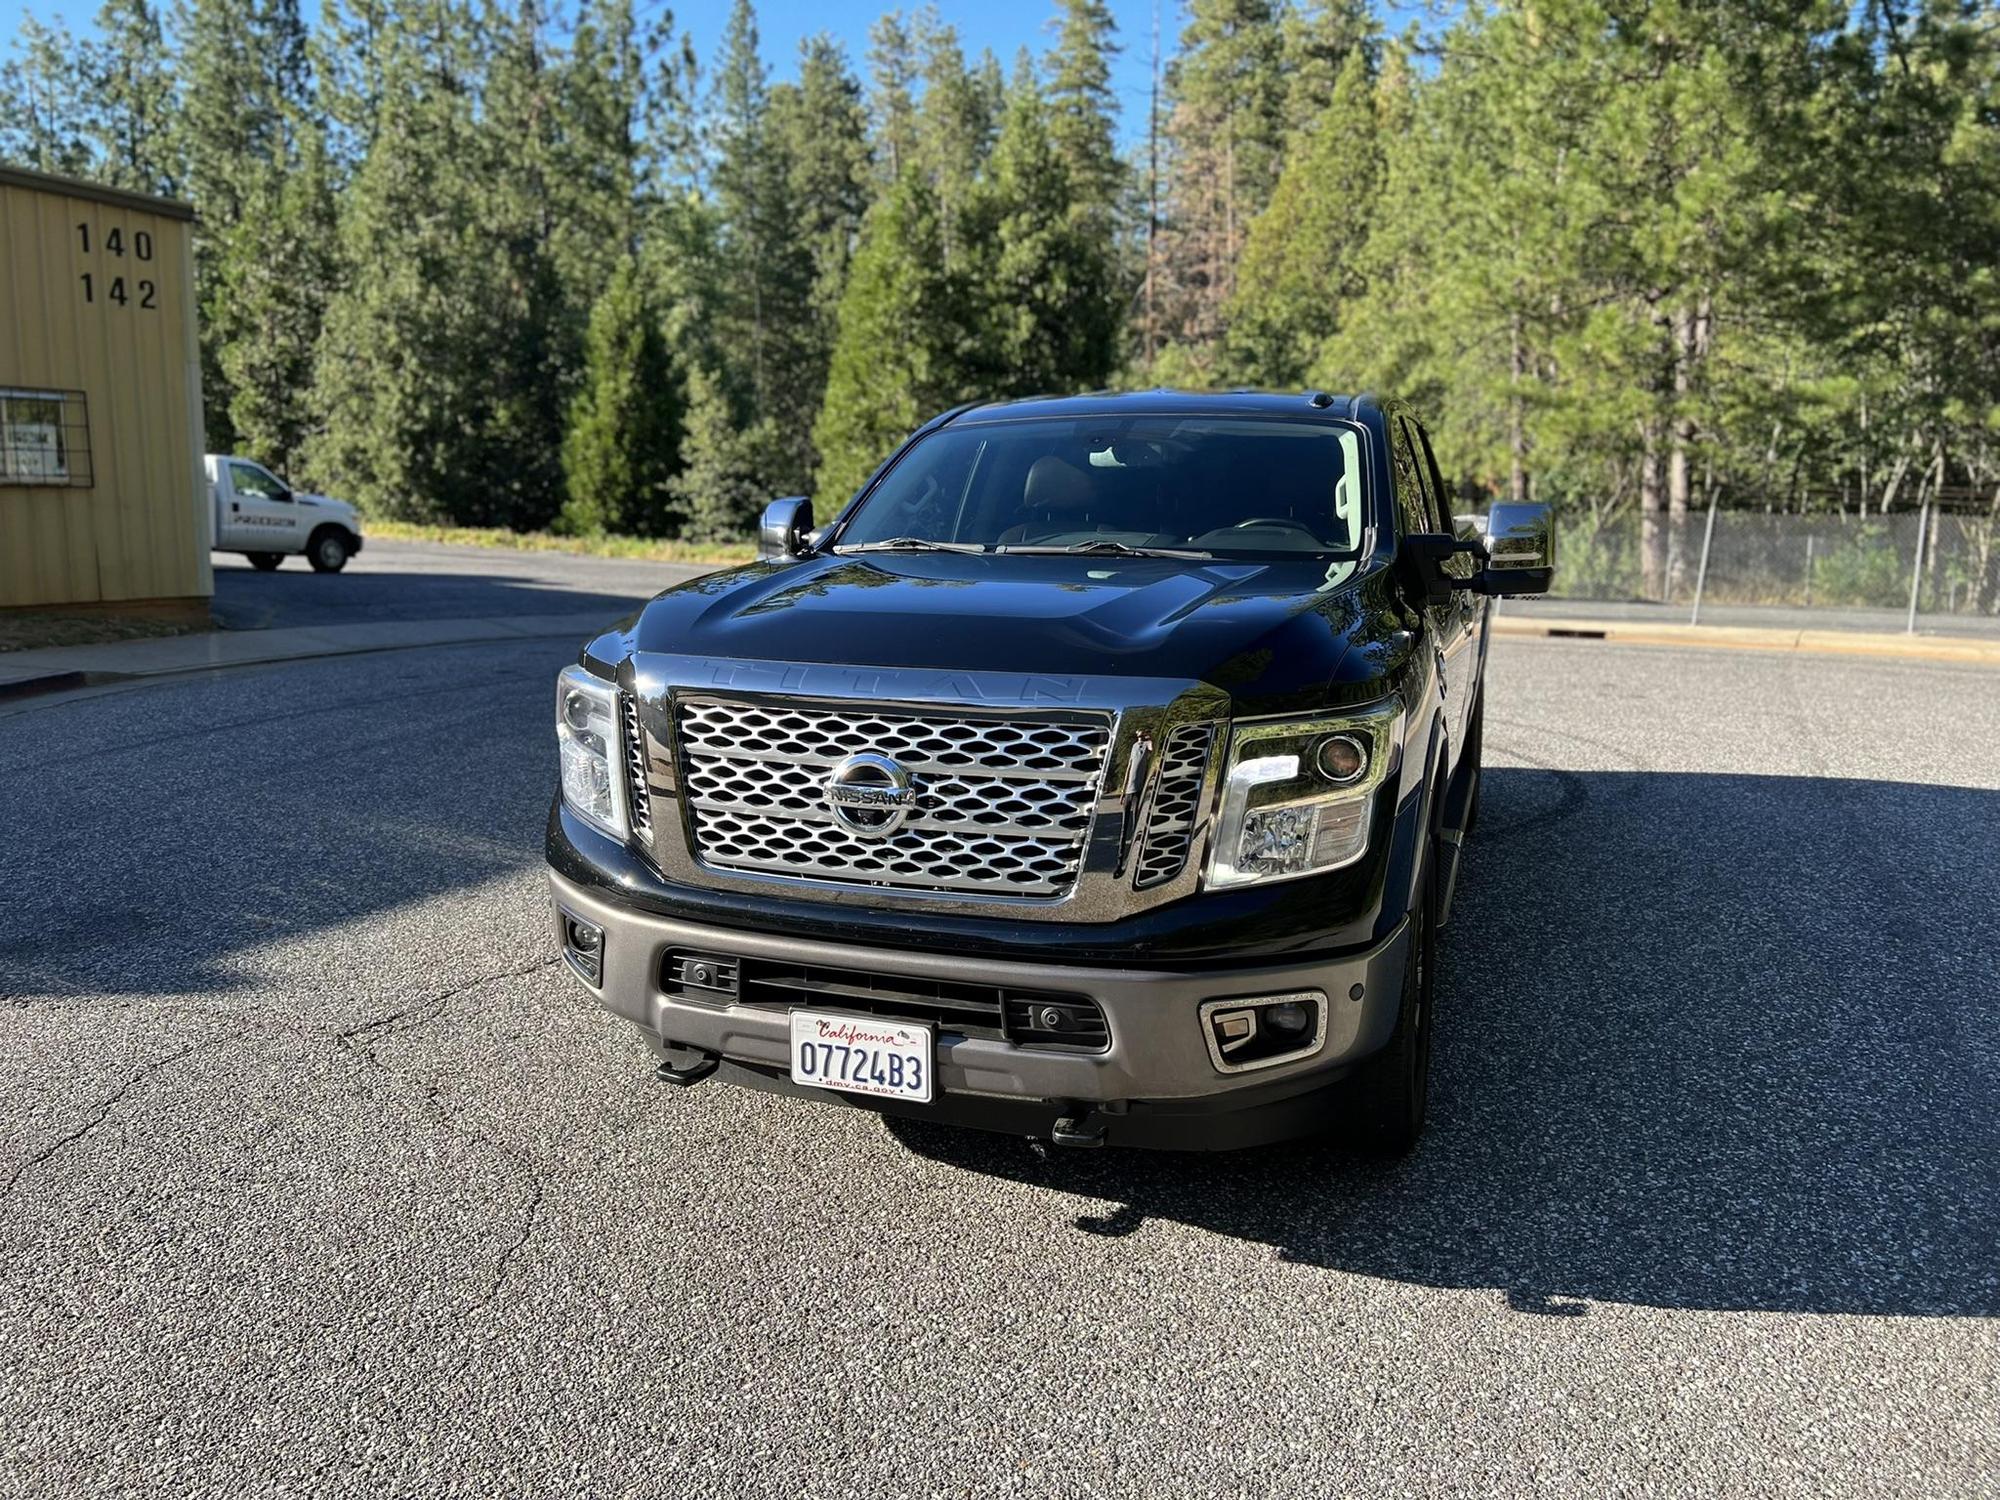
x,y
101,496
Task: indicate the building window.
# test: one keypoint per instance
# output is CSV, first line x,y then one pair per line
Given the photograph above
x,y
44,438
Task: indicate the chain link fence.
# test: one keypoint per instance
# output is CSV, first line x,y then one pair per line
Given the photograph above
x,y
1952,559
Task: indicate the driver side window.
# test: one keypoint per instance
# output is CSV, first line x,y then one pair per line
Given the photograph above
x,y
1413,503
248,479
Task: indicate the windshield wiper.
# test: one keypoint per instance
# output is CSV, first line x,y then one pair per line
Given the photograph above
x,y
912,544
1106,545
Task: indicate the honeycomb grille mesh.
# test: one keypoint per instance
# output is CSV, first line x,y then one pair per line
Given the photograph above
x,y
1004,805
635,770
1176,805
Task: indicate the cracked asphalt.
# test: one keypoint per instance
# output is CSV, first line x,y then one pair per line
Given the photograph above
x,y
319,1176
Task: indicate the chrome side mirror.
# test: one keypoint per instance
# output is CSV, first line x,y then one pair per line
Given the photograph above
x,y
1520,549
782,531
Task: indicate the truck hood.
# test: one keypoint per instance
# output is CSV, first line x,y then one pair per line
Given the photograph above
x,y
1272,634
336,510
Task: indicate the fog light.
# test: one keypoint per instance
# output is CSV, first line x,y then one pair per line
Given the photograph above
x,y
1289,1018
583,948
1262,1031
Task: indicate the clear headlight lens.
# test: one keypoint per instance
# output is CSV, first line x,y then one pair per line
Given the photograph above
x,y
1298,793
587,735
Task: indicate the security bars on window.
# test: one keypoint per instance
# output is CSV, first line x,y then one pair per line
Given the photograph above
x,y
45,439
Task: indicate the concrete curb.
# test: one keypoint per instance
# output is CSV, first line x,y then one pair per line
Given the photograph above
x,y
58,669
1967,650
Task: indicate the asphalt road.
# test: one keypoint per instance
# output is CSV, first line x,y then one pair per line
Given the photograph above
x,y
320,1177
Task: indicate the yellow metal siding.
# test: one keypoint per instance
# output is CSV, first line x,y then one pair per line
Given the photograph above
x,y
140,531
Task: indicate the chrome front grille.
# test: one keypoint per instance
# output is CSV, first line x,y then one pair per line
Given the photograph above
x,y
640,793
1176,806
1003,805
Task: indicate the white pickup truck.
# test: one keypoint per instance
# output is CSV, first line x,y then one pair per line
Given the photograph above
x,y
259,515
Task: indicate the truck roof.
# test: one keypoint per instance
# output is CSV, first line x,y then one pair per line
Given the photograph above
x,y
1169,402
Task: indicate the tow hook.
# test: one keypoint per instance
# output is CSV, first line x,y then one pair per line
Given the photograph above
x,y
1077,1131
686,1075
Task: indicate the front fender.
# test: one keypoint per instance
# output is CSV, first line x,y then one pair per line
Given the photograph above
x,y
1420,786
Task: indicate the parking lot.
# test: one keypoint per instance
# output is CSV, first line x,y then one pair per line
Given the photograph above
x,y
320,1175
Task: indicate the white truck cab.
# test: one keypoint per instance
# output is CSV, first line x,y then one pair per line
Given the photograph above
x,y
258,514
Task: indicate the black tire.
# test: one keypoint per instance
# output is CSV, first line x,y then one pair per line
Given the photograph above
x,y
265,562
1391,1096
327,551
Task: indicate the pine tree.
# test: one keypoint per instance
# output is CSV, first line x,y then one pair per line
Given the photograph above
x,y
892,74
1083,119
900,356
1045,278
1301,267
720,491
954,130
132,99
820,128
819,131
1319,38
520,172
242,69
276,284
622,447
746,181
44,115
406,420
767,356
599,157
1227,131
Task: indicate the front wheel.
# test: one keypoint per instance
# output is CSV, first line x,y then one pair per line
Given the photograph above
x,y
265,562
1392,1090
327,552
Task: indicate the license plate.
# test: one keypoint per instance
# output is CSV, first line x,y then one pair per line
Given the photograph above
x,y
862,1055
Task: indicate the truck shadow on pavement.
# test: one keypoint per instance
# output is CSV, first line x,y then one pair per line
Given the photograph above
x,y
1706,1041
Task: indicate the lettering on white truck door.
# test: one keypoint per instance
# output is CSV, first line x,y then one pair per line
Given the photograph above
x,y
262,510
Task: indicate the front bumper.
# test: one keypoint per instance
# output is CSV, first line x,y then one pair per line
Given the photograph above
x,y
1155,1084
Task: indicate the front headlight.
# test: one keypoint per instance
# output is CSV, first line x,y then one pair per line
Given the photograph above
x,y
1298,794
587,734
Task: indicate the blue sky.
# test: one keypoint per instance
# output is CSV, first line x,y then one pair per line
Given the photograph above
x,y
1005,27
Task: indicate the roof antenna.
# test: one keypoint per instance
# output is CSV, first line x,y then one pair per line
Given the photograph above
x,y
1318,399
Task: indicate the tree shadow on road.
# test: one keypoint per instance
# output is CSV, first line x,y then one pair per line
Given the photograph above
x,y
162,840
295,596
1719,1042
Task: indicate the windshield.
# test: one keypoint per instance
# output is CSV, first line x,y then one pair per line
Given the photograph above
x,y
1199,486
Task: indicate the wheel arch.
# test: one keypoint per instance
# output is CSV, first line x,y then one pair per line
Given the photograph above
x,y
1418,806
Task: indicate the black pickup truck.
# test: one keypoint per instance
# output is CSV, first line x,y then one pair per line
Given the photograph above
x,y
1099,773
